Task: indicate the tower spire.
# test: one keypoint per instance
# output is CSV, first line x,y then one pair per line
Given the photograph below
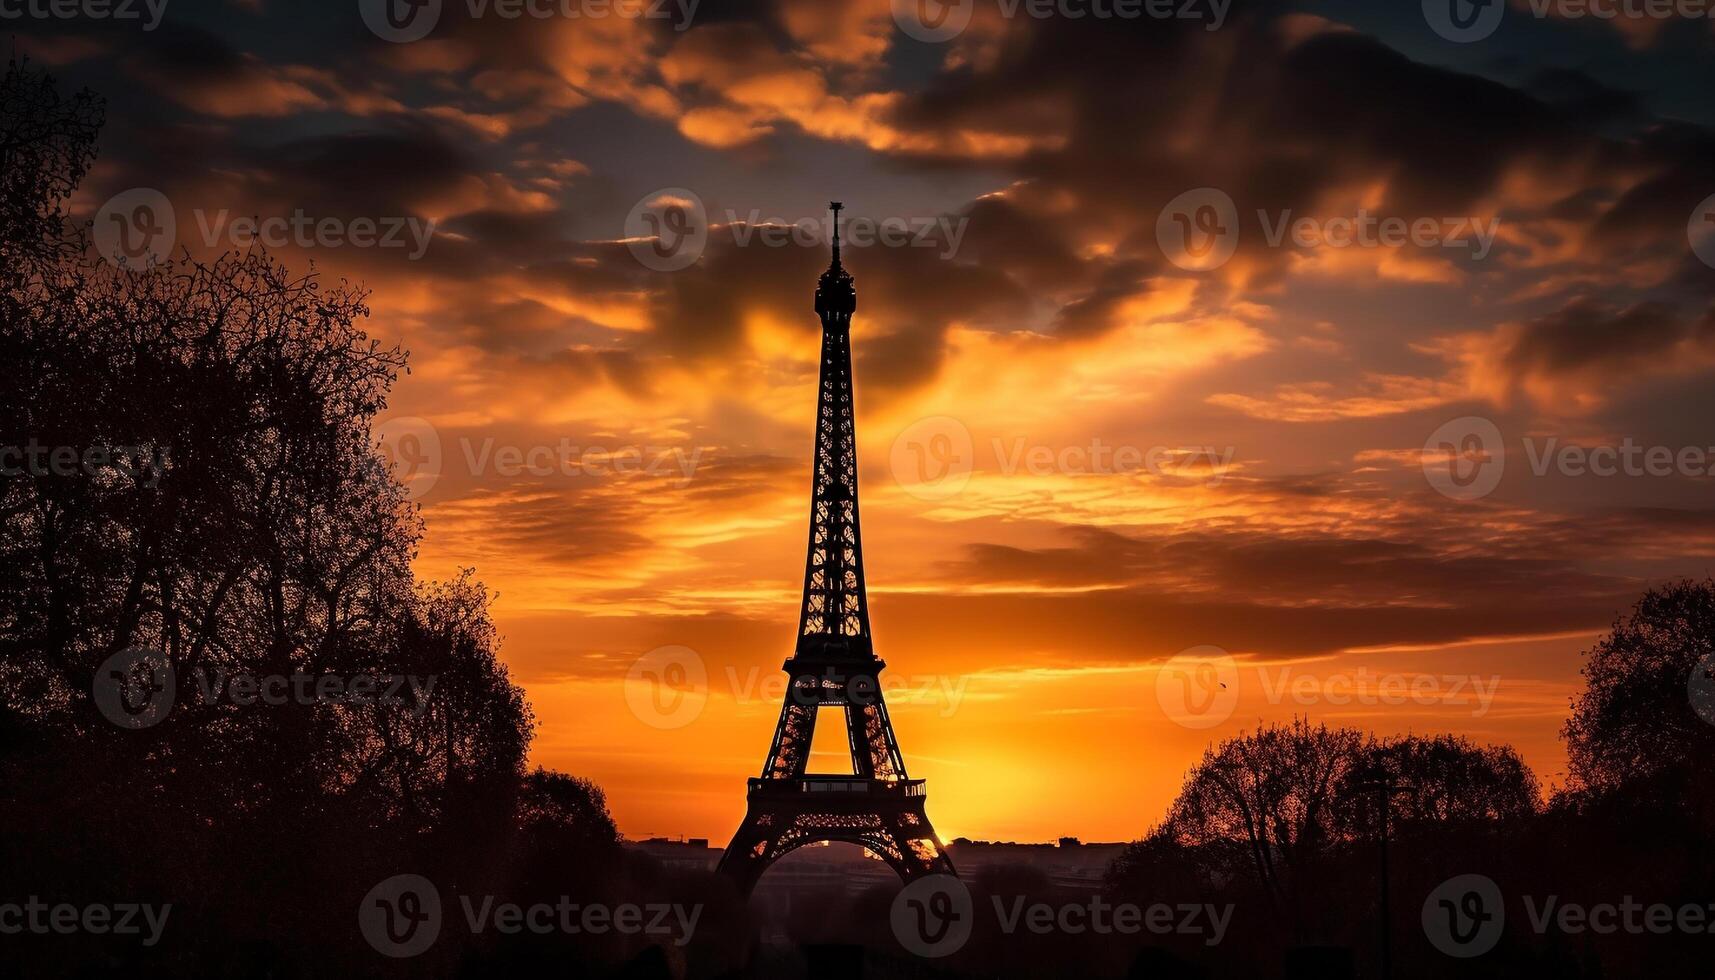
x,y
835,207
836,297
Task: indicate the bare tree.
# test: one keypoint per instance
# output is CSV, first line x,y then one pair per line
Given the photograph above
x,y
1271,796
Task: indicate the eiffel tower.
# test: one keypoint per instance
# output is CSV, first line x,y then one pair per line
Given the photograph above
x,y
833,665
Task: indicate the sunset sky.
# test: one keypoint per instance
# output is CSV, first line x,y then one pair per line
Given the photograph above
x,y
1079,457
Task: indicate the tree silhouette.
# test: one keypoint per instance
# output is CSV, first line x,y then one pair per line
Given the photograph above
x,y
556,805
47,143
226,507
1648,709
1269,799
1452,780
1282,818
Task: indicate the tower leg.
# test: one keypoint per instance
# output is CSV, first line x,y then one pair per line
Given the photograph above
x,y
746,857
919,851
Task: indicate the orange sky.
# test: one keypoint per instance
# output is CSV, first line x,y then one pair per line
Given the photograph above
x,y
1035,708
1081,453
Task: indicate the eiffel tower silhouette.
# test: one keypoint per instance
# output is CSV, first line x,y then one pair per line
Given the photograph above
x,y
834,665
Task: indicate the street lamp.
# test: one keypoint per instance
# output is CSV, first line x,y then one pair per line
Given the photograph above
x,y
1380,781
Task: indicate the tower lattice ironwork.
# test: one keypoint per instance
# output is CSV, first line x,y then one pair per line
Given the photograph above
x,y
833,665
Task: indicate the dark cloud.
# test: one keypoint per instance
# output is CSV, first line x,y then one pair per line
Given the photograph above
x,y
1137,597
1420,566
907,298
1031,250
561,525
1585,99
1589,333
386,170
1097,311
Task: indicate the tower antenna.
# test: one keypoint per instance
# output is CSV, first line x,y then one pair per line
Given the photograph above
x,y
835,207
